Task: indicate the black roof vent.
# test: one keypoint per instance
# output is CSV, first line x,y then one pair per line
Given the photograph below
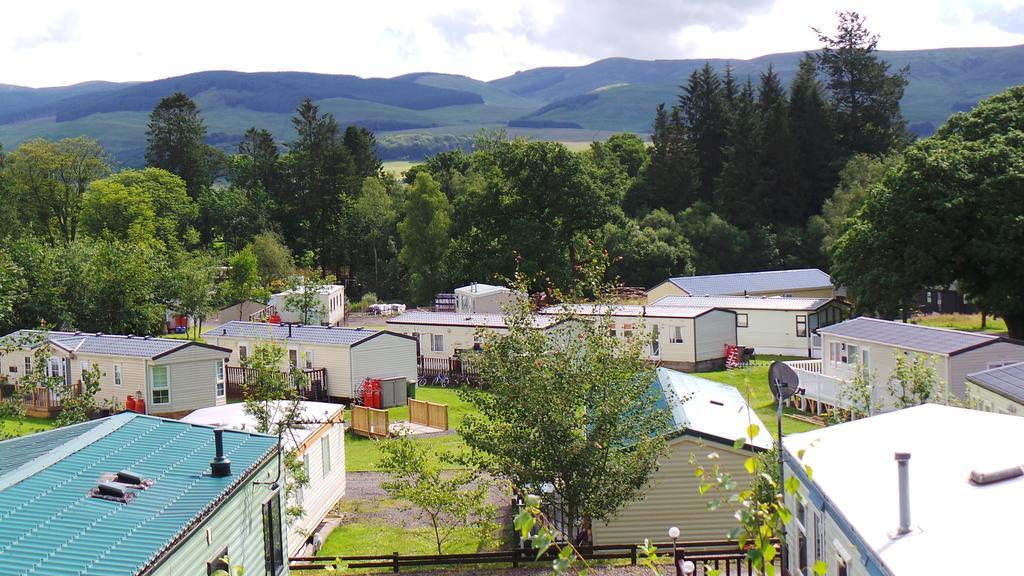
x,y
121,487
220,466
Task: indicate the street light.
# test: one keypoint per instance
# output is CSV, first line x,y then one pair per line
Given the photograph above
x,y
689,569
673,533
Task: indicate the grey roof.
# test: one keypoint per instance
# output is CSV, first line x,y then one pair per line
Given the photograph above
x,y
911,336
1006,381
746,302
299,333
110,344
753,282
631,310
470,320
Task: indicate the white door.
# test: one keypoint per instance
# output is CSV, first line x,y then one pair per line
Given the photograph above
x,y
655,341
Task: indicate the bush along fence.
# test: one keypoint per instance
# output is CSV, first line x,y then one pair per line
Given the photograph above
x,y
722,555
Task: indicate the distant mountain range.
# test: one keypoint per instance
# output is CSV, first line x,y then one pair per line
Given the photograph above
x,y
559,103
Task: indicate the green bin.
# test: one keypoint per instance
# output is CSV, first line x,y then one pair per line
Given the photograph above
x,y
411,389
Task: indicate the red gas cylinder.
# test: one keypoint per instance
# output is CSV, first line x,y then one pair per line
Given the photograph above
x,y
375,393
129,403
140,405
275,319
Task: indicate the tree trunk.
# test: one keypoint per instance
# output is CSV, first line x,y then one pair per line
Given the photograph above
x,y
1014,325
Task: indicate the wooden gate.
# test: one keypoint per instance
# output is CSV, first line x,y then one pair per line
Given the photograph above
x,y
369,422
428,414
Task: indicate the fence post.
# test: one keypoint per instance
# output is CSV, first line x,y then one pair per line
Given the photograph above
x,y
515,557
394,560
632,555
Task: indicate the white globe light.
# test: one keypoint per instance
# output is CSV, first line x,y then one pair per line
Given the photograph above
x,y
673,532
689,568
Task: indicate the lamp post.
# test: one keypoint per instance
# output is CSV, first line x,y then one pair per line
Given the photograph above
x,y
673,533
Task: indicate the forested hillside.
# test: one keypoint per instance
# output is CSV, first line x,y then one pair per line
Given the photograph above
x,y
420,114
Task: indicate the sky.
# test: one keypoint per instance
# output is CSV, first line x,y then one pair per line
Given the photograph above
x,y
61,42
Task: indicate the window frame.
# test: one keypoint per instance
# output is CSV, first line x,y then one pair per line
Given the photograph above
x,y
118,375
325,454
677,335
437,342
243,351
655,337
216,562
154,388
742,320
273,543
220,378
801,321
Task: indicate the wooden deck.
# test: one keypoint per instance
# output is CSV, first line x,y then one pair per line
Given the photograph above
x,y
313,387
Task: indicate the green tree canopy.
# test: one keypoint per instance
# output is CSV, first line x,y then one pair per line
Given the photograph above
x,y
949,211
425,237
176,142
138,205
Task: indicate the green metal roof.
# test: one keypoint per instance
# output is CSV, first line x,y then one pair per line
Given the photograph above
x,y
52,525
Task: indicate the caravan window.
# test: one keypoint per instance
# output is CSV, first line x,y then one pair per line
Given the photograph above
x,y
801,326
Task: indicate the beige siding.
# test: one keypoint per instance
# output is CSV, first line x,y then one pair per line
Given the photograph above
x,y
673,499
670,351
980,359
455,337
714,331
987,400
774,331
323,491
236,524
662,290
386,355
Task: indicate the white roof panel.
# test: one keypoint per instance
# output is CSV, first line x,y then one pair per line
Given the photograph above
x,y
853,465
711,408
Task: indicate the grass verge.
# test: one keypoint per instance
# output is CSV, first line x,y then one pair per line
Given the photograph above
x,y
11,427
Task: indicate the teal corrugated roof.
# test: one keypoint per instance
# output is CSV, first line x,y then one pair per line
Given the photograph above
x,y
51,525
19,451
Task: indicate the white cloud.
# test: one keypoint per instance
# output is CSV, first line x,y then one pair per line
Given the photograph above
x,y
54,42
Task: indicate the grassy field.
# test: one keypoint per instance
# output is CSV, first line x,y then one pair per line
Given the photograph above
x,y
362,454
11,427
753,384
396,167
968,322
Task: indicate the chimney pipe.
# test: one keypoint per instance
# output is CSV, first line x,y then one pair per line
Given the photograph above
x,y
289,329
221,466
903,463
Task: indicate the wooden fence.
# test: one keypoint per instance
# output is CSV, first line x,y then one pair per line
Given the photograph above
x,y
453,367
40,402
722,555
428,414
313,387
369,422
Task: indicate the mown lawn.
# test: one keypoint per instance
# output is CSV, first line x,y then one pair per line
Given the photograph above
x,y
967,322
11,427
362,454
753,384
375,538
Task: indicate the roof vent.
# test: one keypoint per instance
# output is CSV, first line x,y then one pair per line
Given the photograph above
x,y
121,487
146,337
220,466
983,478
99,334
78,333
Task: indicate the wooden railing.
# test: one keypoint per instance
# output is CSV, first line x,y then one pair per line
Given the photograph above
x,y
42,402
370,422
452,366
722,555
314,386
262,314
428,414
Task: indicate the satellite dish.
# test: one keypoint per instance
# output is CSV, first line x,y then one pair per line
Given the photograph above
x,y
782,380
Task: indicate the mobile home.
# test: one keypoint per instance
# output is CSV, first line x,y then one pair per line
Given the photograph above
x,y
998,389
318,440
138,495
331,298
173,376
707,417
482,299
774,324
802,283
343,357
856,515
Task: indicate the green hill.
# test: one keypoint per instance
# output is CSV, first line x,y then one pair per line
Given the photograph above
x,y
557,103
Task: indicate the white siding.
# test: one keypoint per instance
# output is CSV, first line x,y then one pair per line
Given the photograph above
x,y
193,375
386,355
323,491
714,330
